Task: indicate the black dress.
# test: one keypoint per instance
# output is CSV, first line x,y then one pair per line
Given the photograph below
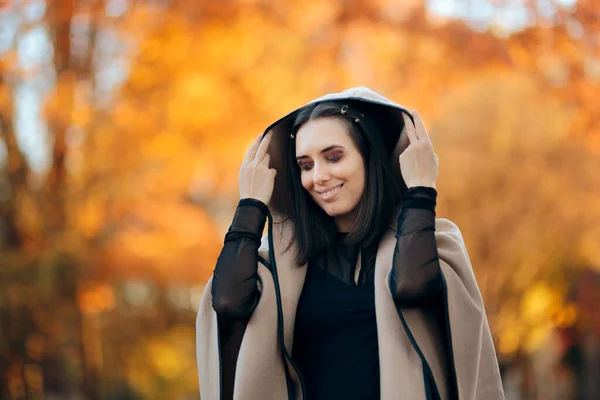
x,y
335,335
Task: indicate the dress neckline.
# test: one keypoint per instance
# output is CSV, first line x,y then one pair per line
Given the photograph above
x,y
340,236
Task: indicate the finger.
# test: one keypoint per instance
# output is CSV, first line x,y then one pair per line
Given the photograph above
x,y
262,148
410,129
252,150
420,126
265,161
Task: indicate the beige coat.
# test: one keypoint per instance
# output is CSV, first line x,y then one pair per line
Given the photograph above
x,y
410,342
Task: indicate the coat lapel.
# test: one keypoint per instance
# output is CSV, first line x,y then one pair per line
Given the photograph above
x,y
291,281
401,370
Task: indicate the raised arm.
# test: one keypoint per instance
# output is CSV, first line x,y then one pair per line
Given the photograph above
x,y
234,290
416,275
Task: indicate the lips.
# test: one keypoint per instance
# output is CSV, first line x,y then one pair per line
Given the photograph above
x,y
330,193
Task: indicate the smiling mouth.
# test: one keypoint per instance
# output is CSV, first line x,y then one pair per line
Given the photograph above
x,y
330,194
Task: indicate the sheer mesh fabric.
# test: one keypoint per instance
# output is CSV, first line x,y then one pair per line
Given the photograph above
x,y
416,275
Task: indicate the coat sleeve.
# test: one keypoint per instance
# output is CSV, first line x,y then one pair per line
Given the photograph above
x,y
472,356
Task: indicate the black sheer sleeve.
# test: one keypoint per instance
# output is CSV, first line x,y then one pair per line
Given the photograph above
x,y
234,289
416,274
416,277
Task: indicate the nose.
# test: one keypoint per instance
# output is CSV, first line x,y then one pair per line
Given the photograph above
x,y
321,174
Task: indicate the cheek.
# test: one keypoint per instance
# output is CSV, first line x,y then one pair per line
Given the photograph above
x,y
306,180
358,184
356,172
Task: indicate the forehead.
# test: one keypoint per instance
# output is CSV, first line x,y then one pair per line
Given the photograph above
x,y
318,134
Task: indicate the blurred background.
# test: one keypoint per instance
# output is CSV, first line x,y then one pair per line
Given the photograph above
x,y
123,124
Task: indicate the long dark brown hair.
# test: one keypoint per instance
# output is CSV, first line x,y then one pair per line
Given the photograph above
x,y
315,231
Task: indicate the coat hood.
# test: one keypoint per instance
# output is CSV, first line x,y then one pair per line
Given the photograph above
x,y
392,119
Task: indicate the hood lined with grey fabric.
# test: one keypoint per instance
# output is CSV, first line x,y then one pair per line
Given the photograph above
x,y
389,116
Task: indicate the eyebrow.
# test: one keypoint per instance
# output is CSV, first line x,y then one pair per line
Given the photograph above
x,y
325,150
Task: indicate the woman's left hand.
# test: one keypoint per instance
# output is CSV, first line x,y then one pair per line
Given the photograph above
x,y
418,163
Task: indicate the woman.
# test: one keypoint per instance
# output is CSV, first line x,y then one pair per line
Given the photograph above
x,y
357,291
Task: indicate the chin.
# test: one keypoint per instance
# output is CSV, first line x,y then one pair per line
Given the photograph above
x,y
334,210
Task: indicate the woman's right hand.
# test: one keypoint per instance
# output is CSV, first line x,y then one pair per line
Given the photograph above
x,y
256,179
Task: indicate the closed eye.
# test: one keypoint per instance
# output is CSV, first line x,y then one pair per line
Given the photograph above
x,y
308,166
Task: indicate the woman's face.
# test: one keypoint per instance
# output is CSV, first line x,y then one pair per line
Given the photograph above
x,y
332,169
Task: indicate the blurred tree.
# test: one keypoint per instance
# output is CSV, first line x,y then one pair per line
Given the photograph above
x,y
517,193
150,103
13,179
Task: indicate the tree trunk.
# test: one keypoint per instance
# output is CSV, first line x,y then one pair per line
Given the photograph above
x,y
16,173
